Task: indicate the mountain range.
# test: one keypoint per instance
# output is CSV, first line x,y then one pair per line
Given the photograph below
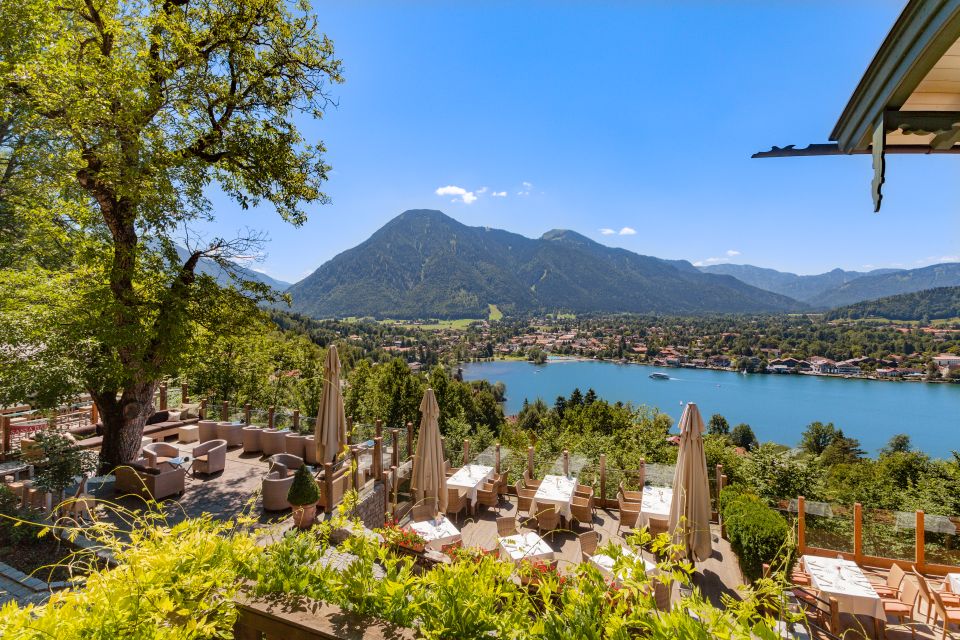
x,y
424,264
210,267
929,304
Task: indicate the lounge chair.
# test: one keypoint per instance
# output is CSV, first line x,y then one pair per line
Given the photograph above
x,y
274,491
284,463
158,452
207,430
158,482
210,457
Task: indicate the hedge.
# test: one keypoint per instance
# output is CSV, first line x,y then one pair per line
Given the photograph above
x,y
758,534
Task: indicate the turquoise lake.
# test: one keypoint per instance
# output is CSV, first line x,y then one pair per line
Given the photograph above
x,y
778,407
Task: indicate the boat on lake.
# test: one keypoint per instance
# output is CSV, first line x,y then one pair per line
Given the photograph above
x,y
659,376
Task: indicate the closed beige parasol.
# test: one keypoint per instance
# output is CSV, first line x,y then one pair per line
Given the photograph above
x,y
690,509
429,481
330,431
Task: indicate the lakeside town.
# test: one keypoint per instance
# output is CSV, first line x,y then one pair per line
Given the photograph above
x,y
917,353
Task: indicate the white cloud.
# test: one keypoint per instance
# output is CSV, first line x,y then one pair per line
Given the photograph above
x,y
732,252
498,194
607,232
462,195
709,261
949,259
527,185
481,190
525,191
628,231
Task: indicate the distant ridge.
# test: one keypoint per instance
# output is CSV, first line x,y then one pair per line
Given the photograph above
x,y
803,288
872,287
930,304
211,268
425,264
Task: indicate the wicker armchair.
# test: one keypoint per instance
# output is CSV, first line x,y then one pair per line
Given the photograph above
x,y
274,491
583,491
588,545
581,511
548,518
629,513
487,496
506,526
207,430
630,496
210,457
529,482
284,463
525,500
456,503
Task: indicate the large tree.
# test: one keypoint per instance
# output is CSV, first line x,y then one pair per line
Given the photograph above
x,y
129,112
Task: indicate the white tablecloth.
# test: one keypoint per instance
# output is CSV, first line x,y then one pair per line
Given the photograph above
x,y
656,503
953,582
555,490
844,580
469,479
605,564
525,546
437,532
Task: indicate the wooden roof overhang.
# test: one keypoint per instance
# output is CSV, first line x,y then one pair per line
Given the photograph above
x,y
908,101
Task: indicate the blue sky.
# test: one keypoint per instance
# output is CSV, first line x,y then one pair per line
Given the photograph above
x,y
632,117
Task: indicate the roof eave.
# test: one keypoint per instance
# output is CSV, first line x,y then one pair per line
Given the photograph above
x,y
921,35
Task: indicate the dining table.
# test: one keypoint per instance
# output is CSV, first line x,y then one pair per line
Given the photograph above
x,y
525,546
655,504
437,531
555,490
468,480
606,564
845,581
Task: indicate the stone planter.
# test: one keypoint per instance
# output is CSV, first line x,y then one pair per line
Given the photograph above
x,y
294,443
232,432
251,439
273,441
304,516
310,451
208,430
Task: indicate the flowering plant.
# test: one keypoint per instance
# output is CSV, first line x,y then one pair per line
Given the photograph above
x,y
394,534
537,571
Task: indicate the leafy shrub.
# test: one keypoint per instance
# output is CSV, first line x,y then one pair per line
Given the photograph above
x,y
757,533
304,489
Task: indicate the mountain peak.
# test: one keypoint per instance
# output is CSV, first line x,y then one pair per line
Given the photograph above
x,y
566,235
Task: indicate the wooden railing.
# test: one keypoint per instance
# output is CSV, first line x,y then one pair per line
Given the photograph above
x,y
858,556
297,618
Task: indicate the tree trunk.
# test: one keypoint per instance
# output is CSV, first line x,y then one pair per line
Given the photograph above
x,y
123,421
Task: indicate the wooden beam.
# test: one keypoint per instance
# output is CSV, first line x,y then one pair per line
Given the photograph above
x,y
857,533
920,550
801,526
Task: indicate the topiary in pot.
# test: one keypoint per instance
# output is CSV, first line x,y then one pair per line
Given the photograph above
x,y
303,496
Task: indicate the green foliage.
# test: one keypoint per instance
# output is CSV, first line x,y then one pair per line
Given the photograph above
x,y
61,462
742,436
758,534
304,490
776,474
718,425
817,437
929,304
899,443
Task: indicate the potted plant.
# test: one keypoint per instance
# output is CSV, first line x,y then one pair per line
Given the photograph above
x,y
303,496
404,538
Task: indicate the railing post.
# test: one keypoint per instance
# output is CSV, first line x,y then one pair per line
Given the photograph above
x,y
202,412
466,450
603,477
409,440
857,532
5,427
296,420
566,462
379,428
395,453
270,415
355,467
377,456
496,458
208,407
184,396
920,551
328,484
385,478
225,410
247,411
163,398
530,461
643,473
395,489
801,525
94,413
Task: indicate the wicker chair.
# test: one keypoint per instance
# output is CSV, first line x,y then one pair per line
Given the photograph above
x,y
529,482
210,457
629,513
581,511
656,525
284,463
583,491
525,500
506,526
274,491
424,512
456,503
207,430
630,496
487,496
588,545
548,518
